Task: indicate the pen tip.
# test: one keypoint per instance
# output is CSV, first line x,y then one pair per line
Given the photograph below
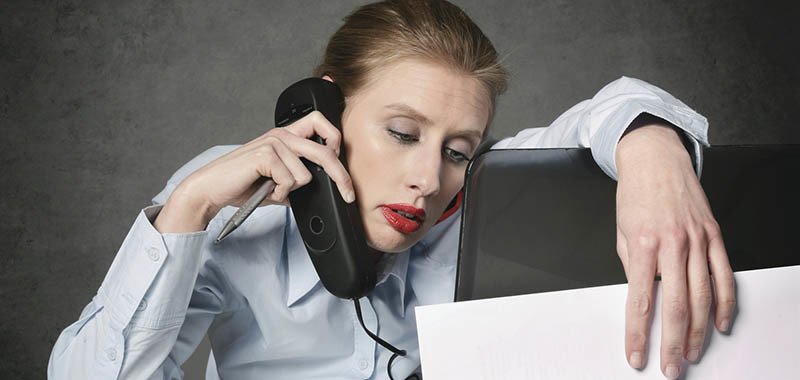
x,y
226,230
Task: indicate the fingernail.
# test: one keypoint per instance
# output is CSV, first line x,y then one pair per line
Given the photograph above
x,y
723,326
673,371
693,355
636,360
350,197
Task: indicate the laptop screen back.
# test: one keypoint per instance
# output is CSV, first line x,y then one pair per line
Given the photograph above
x,y
539,220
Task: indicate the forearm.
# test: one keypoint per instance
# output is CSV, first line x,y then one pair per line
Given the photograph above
x,y
138,309
600,122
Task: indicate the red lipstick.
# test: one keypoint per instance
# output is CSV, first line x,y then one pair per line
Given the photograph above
x,y
403,217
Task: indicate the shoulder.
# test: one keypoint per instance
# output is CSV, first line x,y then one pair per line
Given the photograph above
x,y
198,162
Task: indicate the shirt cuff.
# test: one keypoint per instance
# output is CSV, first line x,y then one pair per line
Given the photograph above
x,y
153,274
642,97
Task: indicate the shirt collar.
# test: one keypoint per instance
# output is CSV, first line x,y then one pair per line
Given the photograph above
x,y
303,277
432,270
397,267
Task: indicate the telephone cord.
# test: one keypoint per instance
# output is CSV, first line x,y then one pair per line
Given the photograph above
x,y
395,351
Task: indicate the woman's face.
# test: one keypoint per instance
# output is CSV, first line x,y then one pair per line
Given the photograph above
x,y
408,135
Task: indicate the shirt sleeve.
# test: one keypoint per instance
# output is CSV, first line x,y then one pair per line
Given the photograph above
x,y
138,309
599,122
154,305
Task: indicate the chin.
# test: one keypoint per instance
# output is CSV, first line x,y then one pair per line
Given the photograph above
x,y
387,239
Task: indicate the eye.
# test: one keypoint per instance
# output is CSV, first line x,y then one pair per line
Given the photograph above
x,y
455,156
403,137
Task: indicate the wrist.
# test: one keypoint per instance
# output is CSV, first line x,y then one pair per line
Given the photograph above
x,y
658,142
184,213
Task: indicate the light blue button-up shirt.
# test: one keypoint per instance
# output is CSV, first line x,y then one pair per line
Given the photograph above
x,y
258,297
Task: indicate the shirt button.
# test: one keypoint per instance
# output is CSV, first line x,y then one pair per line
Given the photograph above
x,y
142,305
153,254
111,354
363,364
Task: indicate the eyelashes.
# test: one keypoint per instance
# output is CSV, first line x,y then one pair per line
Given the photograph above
x,y
450,154
456,156
403,137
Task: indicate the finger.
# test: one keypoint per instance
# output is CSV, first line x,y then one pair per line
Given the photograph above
x,y
292,162
724,285
675,304
327,159
640,272
316,123
699,283
622,250
306,127
270,165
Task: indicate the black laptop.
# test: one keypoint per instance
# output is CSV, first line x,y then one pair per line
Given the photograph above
x,y
537,220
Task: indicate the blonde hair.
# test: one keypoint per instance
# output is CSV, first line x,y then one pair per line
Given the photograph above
x,y
378,34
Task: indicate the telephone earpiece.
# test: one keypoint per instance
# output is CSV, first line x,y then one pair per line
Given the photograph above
x,y
331,229
452,207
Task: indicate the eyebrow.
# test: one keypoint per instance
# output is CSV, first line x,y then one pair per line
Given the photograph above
x,y
410,112
424,120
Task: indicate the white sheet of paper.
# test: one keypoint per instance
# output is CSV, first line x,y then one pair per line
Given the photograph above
x,y
579,334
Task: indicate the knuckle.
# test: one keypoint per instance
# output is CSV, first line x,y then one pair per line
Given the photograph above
x,y
678,252
637,340
676,234
673,351
727,303
646,241
304,178
270,133
317,117
696,337
640,305
281,191
265,151
346,180
712,228
694,230
676,310
274,137
703,299
329,154
725,279
274,133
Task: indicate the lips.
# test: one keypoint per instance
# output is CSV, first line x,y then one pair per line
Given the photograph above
x,y
403,217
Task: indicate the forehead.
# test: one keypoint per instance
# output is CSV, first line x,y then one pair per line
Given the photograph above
x,y
445,96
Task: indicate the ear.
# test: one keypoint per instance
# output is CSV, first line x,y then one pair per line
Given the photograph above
x,y
327,78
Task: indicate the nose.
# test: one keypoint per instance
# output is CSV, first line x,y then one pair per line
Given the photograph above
x,y
424,172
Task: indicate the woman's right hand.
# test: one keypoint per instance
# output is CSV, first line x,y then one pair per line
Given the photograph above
x,y
231,179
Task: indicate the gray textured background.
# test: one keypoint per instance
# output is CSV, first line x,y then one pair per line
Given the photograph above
x,y
100,101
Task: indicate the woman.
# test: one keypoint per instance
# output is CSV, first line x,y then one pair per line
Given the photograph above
x,y
420,81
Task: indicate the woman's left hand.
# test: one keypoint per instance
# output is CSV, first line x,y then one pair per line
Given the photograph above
x,y
665,226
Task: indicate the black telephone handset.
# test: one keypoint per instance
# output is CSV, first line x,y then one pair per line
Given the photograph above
x,y
331,228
